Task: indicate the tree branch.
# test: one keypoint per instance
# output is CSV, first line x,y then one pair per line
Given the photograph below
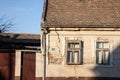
x,y
5,24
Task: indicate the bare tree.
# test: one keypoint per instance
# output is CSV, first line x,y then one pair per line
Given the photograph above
x,y
5,24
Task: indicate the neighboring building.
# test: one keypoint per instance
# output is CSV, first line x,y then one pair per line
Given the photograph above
x,y
81,39
18,54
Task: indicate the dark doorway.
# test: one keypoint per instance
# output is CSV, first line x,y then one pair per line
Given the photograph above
x,y
28,65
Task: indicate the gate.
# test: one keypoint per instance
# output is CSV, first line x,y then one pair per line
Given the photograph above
x,y
7,65
27,65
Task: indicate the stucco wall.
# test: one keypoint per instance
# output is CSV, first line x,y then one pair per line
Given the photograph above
x,y
38,64
56,55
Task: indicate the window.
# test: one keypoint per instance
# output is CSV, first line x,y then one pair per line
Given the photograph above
x,y
102,53
74,52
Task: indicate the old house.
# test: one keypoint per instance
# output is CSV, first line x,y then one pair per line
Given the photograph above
x,y
81,39
18,54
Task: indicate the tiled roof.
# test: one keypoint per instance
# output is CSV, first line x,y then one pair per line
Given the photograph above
x,y
81,13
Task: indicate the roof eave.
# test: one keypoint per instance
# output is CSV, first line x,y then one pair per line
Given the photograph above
x,y
44,13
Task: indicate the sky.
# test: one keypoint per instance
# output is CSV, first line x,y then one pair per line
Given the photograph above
x,y
25,14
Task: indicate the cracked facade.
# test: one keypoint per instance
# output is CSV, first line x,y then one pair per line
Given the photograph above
x,y
82,39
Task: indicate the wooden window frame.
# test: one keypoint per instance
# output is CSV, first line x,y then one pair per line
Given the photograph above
x,y
102,50
74,50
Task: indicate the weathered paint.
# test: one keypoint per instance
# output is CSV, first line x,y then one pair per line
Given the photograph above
x,y
17,77
78,78
7,65
81,78
17,63
37,68
28,65
38,65
56,54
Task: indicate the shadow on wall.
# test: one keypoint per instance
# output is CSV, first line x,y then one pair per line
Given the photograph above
x,y
108,67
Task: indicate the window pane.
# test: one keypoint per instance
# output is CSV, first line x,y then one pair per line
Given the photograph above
x,y
99,45
99,57
73,45
106,57
77,45
76,57
70,45
70,57
105,45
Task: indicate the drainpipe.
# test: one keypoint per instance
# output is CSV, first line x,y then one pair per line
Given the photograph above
x,y
44,54
45,32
